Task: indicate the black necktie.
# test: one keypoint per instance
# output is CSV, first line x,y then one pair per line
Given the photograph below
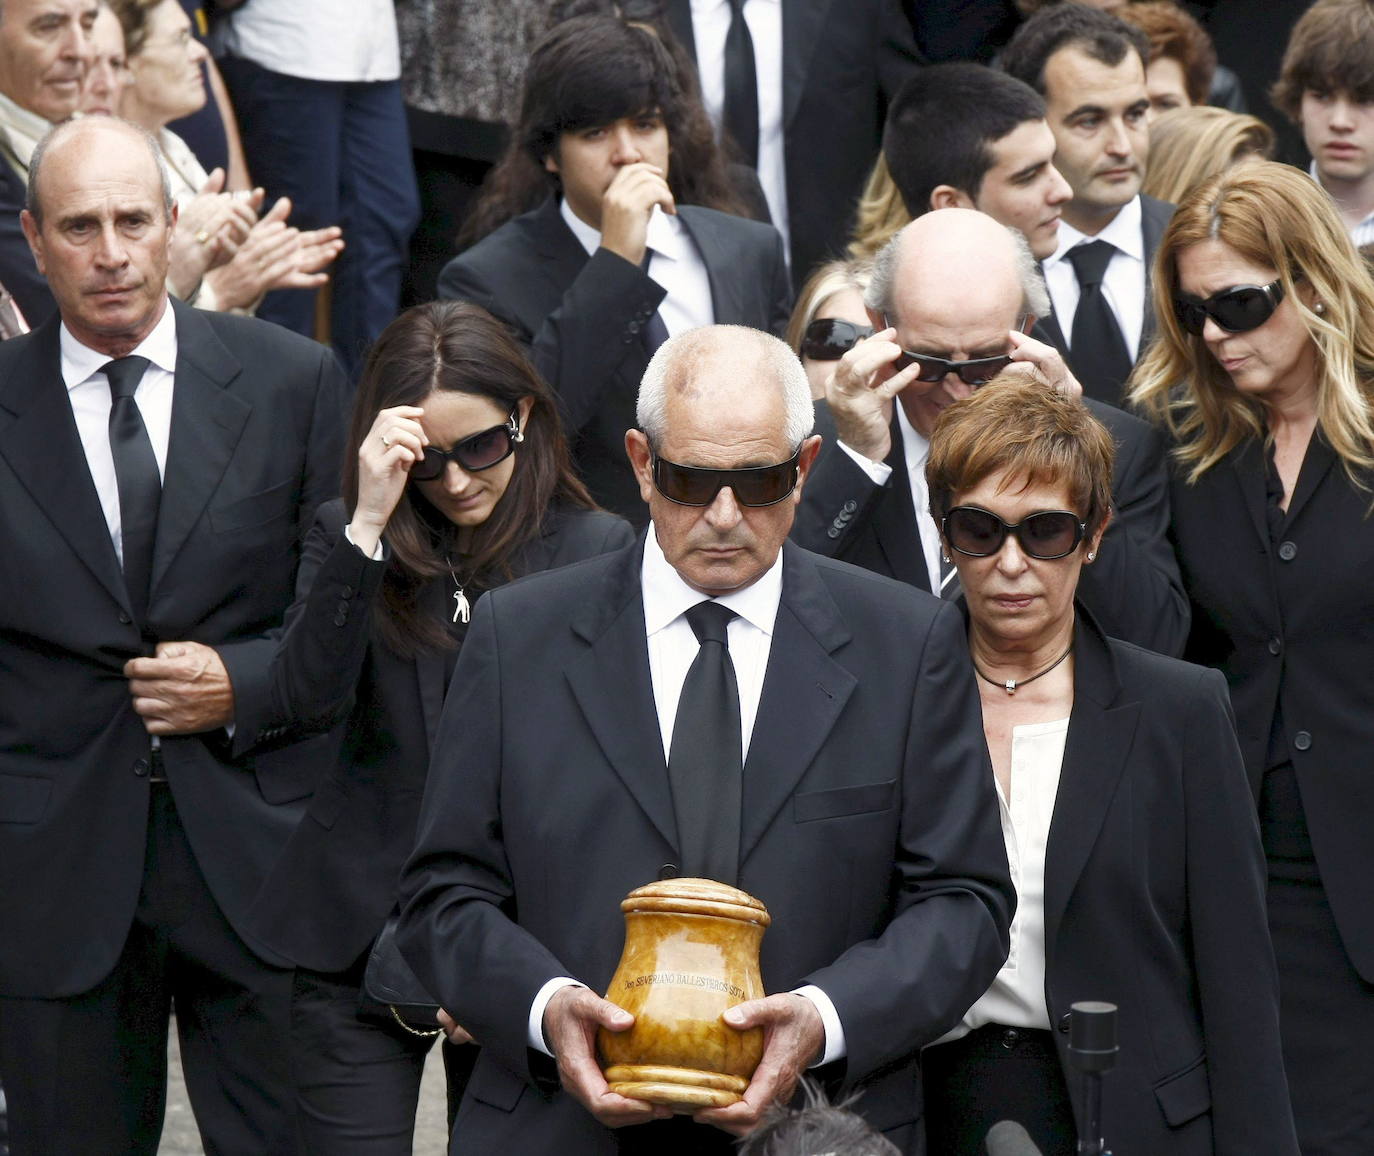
x,y
705,761
140,485
741,113
1097,351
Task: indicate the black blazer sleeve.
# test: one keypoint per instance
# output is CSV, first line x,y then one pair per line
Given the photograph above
x,y
839,501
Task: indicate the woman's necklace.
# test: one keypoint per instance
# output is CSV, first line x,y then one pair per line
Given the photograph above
x,y
462,611
1011,684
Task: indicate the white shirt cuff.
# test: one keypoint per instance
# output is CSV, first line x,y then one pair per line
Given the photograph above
x,y
830,1019
376,555
535,1032
878,471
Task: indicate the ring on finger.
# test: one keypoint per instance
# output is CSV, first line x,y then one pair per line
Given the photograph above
x,y
386,441
202,237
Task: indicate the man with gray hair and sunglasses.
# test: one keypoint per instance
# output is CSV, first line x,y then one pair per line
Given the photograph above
x,y
952,298
726,705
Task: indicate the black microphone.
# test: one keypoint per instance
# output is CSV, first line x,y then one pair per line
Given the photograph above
x,y
1008,1138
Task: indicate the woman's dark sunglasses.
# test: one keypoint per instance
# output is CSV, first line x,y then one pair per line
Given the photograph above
x,y
481,451
978,533
829,338
755,486
1236,310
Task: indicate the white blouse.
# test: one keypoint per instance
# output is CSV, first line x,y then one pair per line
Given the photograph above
x,y
1017,995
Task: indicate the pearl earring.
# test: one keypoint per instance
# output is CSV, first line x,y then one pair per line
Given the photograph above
x,y
1319,307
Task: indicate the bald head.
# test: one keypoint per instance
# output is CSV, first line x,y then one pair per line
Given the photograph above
x,y
724,370
89,136
958,260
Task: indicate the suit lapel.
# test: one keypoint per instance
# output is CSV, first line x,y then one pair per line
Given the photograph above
x,y
1047,329
1248,466
802,21
1316,464
610,680
556,243
44,448
894,522
207,421
721,267
1101,730
804,692
1154,219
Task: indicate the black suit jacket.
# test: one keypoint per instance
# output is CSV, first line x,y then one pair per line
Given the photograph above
x,y
257,417
869,827
582,318
1154,901
335,882
1134,587
842,63
1292,628
18,273
1155,216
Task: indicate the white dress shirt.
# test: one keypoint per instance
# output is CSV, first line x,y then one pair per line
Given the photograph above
x,y
1123,284
1017,996
710,26
316,39
88,389
916,449
672,648
674,265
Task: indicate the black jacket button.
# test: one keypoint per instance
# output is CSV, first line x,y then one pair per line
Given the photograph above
x,y
340,619
1275,646
346,592
668,871
833,532
124,618
850,506
141,767
1302,741
1064,1023
1288,551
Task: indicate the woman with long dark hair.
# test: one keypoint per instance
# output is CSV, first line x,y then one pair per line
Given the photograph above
x,y
457,479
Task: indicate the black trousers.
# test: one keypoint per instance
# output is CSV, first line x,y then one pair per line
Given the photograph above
x,y
88,1074
358,1081
996,1073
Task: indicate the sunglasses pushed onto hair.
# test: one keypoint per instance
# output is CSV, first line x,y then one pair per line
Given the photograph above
x,y
754,486
1236,310
479,452
829,338
979,533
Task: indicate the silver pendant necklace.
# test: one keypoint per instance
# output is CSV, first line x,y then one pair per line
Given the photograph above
x,y
462,610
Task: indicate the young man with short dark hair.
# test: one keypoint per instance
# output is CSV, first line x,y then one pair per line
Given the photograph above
x,y
1090,67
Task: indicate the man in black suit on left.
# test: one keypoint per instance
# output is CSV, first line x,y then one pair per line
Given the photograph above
x,y
157,467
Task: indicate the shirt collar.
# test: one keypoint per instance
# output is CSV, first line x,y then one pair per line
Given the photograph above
x,y
1124,233
664,234
667,597
915,445
24,128
81,362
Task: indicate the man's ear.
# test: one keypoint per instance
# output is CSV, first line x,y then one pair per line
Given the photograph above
x,y
641,458
34,237
551,163
948,197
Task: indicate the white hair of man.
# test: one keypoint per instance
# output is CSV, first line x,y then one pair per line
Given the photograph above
x,y
1035,298
680,357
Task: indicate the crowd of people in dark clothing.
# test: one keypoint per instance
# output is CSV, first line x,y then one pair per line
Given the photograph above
x,y
910,462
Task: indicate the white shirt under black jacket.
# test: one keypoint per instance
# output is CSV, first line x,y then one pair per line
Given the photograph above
x,y
710,26
88,389
672,648
674,265
1123,284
